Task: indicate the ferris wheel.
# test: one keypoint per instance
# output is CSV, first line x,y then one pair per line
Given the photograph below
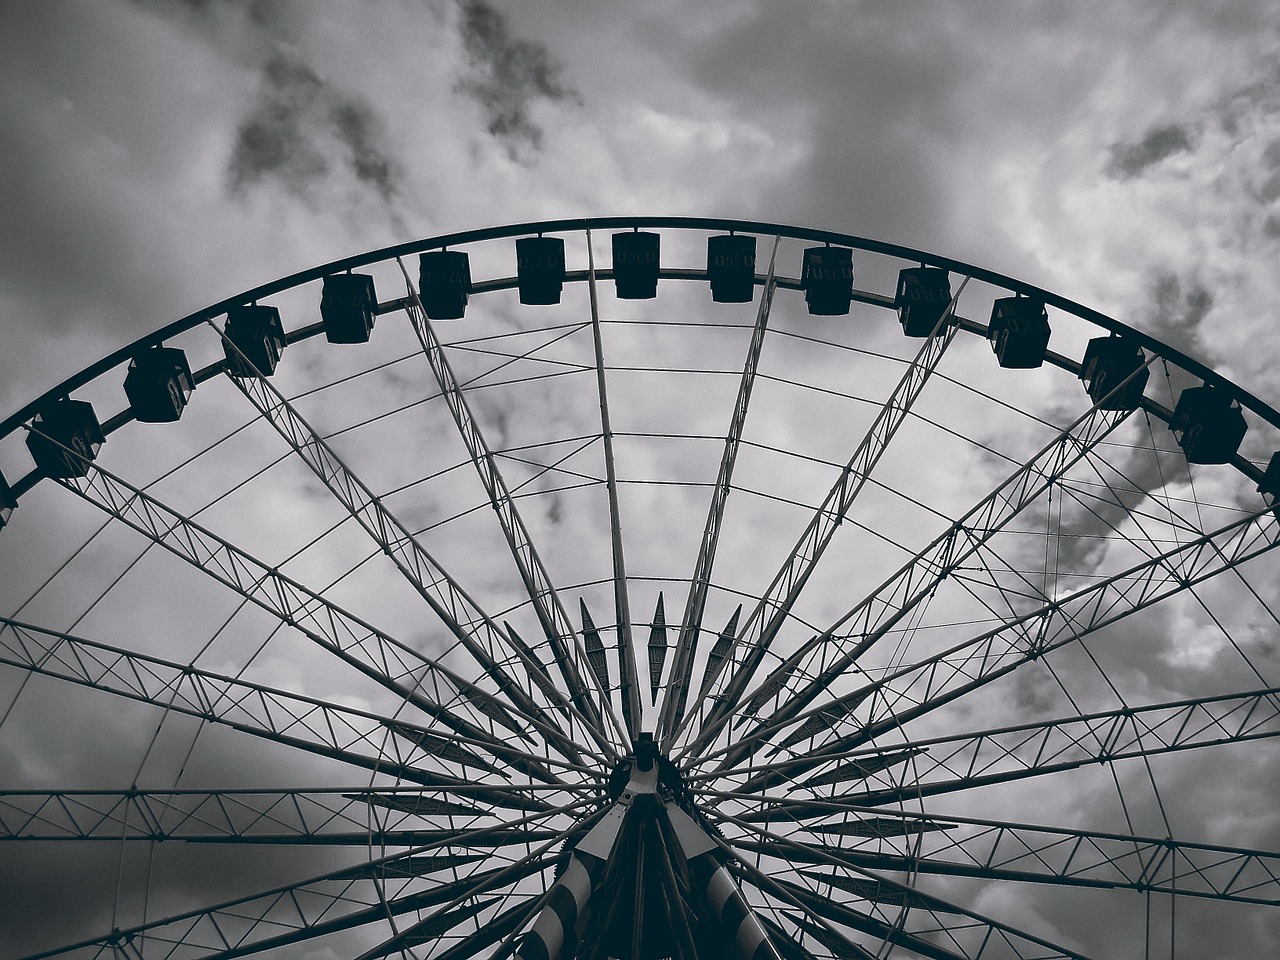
x,y
641,588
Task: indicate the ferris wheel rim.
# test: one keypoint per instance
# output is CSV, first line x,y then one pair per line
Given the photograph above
x,y
157,337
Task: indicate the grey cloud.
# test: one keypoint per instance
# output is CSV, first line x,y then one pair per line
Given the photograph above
x,y
285,137
1271,155
508,76
1128,160
1177,310
274,141
1269,192
359,129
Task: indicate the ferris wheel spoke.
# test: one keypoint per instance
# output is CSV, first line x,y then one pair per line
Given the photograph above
x,y
672,708
473,628
592,702
828,655
961,762
933,928
823,912
364,739
1033,750
331,816
432,931
412,676
923,686
305,911
874,920
338,900
1032,853
507,876
775,605
628,681
837,944
963,931
502,926
776,893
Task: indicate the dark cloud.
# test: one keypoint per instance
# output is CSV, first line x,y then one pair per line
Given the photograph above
x,y
1271,155
302,131
358,128
1177,309
1128,160
275,141
508,76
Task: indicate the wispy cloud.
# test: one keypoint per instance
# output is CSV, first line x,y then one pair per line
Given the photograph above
x,y
302,131
508,76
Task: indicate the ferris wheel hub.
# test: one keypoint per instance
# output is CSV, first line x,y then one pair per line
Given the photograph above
x,y
644,757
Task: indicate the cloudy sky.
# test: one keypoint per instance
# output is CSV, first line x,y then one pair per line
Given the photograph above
x,y
159,155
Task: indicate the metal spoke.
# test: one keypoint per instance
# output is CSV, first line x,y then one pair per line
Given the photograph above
x,y
948,764
333,815
826,656
307,909
673,705
473,628
773,608
428,931
570,659
923,686
1003,850
361,738
629,690
386,660
966,933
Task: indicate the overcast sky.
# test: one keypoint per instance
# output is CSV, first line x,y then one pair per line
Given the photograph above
x,y
159,155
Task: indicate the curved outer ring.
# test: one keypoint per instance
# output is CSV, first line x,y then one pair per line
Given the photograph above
x,y
1262,410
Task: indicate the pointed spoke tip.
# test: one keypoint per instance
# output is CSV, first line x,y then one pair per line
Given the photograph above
x,y
596,657
658,649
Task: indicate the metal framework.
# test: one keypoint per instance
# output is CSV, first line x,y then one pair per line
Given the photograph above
x,y
691,622
483,639
1012,666
569,656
